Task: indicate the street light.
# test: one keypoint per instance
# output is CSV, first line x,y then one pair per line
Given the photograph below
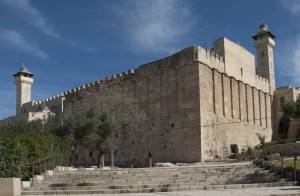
x,y
62,108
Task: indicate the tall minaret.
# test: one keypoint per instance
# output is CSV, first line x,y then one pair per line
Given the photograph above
x,y
23,81
264,44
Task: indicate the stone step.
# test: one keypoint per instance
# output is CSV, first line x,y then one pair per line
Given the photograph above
x,y
148,170
157,189
134,180
95,186
162,169
126,175
222,178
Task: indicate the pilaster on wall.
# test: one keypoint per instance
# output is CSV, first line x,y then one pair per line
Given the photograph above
x,y
250,104
218,93
226,97
243,102
233,99
262,109
256,102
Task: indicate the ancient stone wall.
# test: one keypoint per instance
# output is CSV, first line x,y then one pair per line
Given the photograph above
x,y
282,95
249,113
171,100
239,62
195,109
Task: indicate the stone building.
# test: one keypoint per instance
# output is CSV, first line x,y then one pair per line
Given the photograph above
x,y
284,127
200,103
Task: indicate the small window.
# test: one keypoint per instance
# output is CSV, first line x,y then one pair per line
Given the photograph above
x,y
196,55
234,148
241,71
262,54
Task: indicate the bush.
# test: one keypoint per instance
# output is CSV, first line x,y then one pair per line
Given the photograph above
x,y
10,155
42,149
19,150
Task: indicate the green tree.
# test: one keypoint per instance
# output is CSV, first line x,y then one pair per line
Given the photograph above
x,y
39,148
114,96
291,109
262,139
101,135
90,129
75,130
10,154
53,125
23,144
24,126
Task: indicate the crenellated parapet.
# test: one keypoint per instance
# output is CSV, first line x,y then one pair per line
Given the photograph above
x,y
262,84
184,57
55,101
210,58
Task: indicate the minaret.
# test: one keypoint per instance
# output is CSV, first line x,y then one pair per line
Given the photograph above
x,y
23,81
264,44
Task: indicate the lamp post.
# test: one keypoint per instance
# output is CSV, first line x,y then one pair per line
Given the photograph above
x,y
62,108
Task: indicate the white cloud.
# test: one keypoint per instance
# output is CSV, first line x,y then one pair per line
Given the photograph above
x,y
295,58
7,103
288,62
15,39
292,5
154,25
33,16
291,58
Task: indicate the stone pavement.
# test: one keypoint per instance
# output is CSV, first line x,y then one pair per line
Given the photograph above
x,y
287,190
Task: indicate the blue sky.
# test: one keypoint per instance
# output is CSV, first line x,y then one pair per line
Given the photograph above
x,y
68,43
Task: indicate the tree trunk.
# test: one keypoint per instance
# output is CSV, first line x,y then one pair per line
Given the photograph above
x,y
73,153
102,159
111,158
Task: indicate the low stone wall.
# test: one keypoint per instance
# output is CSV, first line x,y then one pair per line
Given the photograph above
x,y
285,149
10,187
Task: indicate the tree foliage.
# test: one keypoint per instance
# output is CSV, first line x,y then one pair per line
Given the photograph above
x,y
91,129
291,109
114,96
262,139
10,154
25,144
101,135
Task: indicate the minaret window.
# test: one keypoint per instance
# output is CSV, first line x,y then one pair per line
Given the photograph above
x,y
262,54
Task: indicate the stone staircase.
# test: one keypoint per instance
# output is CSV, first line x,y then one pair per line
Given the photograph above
x,y
163,179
